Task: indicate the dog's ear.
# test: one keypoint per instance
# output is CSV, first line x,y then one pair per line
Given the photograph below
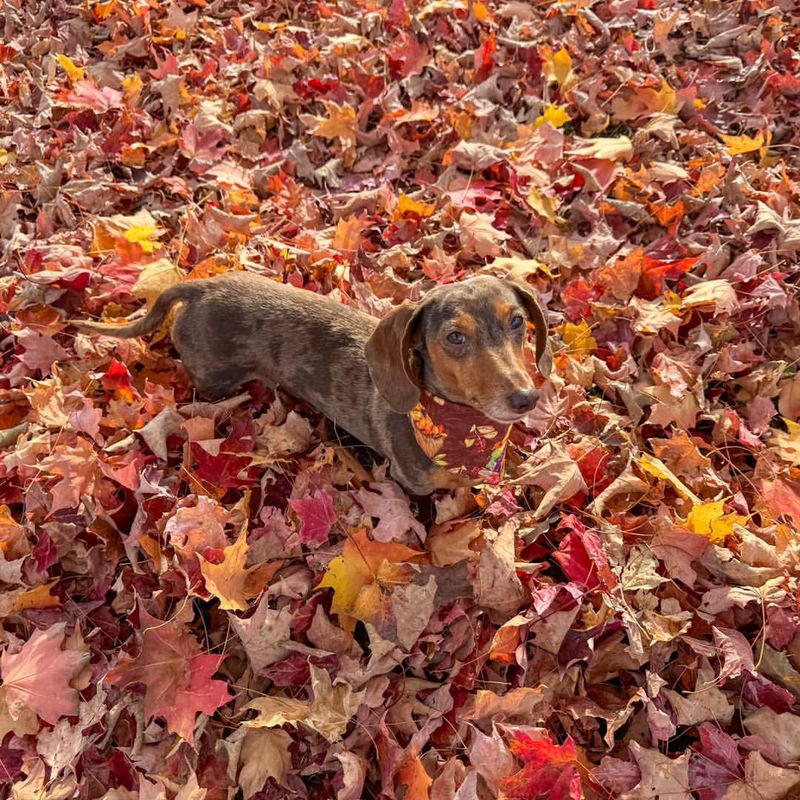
x,y
544,360
389,355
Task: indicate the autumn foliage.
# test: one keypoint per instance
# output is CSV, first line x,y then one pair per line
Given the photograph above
x,y
232,600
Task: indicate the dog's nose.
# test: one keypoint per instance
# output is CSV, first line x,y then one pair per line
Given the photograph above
x,y
523,400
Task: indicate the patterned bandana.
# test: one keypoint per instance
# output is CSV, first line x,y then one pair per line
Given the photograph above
x,y
460,439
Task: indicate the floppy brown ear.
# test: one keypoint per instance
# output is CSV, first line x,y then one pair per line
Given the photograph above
x,y
543,358
388,353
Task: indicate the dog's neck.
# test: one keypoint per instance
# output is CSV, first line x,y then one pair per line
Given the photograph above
x,y
460,439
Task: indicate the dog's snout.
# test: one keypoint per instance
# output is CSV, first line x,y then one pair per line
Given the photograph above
x,y
523,400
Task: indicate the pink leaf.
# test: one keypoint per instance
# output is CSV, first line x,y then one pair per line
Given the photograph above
x,y
317,515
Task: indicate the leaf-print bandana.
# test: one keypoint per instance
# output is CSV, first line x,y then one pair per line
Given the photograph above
x,y
460,439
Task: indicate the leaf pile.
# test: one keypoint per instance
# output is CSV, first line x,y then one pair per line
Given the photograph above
x,y
199,600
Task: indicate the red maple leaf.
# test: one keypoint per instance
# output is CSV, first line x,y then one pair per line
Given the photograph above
x,y
203,694
317,515
406,56
118,379
549,771
176,675
583,558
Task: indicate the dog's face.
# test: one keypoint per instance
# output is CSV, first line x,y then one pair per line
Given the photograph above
x,y
464,342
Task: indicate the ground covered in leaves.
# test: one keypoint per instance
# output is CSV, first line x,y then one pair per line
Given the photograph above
x,y
214,601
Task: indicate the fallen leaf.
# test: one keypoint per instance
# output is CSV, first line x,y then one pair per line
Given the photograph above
x,y
230,581
710,519
317,515
38,677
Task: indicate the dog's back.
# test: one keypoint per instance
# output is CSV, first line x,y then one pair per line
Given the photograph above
x,y
240,327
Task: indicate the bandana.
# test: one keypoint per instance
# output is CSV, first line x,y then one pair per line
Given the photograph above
x,y
460,439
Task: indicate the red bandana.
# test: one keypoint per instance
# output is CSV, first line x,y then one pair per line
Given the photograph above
x,y
460,439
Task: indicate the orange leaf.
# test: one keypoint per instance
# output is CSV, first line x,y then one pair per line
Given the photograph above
x,y
668,217
365,564
414,778
406,207
348,234
547,765
230,581
340,124
13,541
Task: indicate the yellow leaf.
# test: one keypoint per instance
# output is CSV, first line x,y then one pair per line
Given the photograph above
x,y
340,124
545,206
786,444
144,236
129,235
73,73
131,89
408,207
656,467
519,268
39,597
230,581
556,66
359,574
555,115
154,278
578,338
710,519
743,144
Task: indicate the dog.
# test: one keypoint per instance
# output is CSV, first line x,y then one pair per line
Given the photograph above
x,y
461,348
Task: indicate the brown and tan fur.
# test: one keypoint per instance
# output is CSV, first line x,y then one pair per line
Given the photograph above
x,y
365,375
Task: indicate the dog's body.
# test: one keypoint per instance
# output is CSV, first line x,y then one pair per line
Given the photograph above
x,y
363,374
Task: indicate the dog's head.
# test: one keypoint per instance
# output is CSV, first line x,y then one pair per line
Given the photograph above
x,y
463,342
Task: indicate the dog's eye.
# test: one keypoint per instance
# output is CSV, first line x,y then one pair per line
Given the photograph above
x,y
456,337
516,321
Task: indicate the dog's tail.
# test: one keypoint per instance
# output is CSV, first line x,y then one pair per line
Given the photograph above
x,y
148,323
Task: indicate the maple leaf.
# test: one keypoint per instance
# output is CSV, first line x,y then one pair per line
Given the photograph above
x,y
710,519
478,234
13,538
583,558
230,582
73,73
118,379
555,115
348,234
364,567
407,56
549,769
86,94
203,694
329,712
578,338
192,529
556,65
77,465
155,278
38,677
40,351
413,779
414,209
340,124
391,507
172,669
317,516
738,145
